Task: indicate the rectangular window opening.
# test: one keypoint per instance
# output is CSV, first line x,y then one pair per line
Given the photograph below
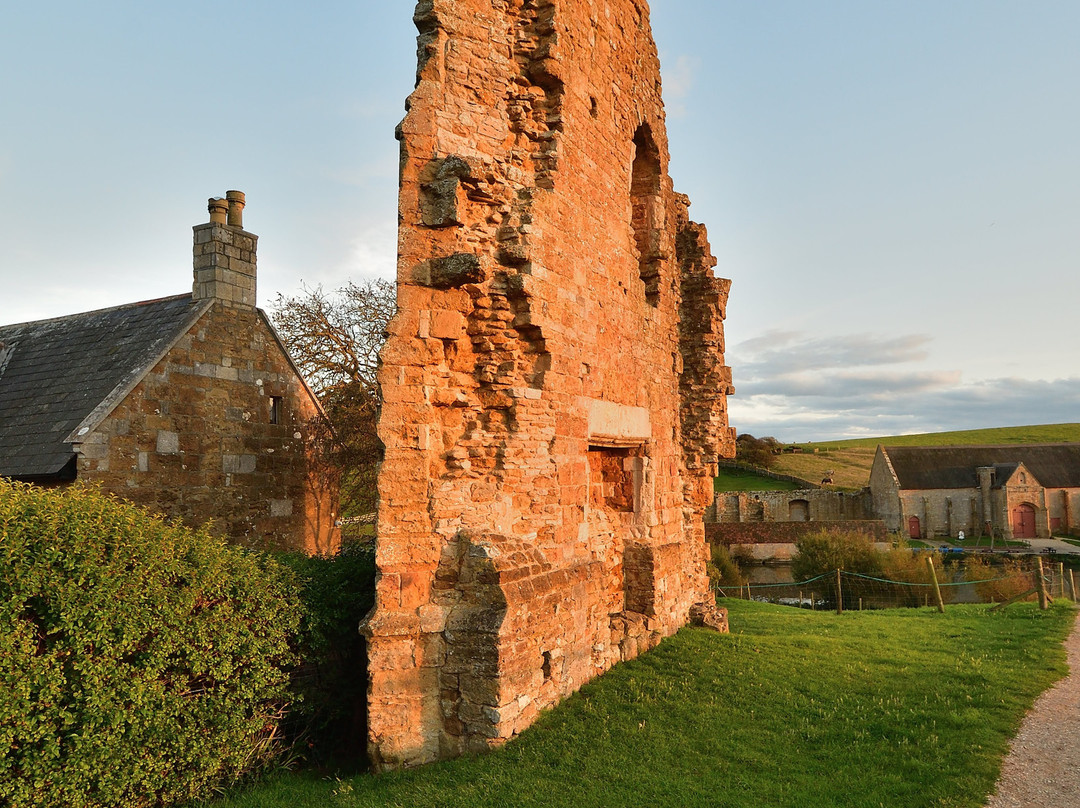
x,y
275,409
611,478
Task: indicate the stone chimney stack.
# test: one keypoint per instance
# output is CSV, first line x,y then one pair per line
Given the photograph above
x,y
224,254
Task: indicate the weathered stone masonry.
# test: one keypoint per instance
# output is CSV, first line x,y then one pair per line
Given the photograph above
x,y
554,384
220,428
188,405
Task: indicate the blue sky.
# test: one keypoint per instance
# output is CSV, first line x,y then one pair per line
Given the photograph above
x,y
893,187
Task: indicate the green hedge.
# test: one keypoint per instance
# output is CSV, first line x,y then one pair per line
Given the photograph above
x,y
330,718
141,663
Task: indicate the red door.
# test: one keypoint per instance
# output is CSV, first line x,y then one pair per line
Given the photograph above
x,y
913,528
1024,522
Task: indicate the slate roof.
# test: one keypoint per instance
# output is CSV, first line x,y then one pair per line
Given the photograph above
x,y
1055,465
59,372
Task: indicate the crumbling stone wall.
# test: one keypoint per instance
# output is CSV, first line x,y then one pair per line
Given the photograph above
x,y
553,384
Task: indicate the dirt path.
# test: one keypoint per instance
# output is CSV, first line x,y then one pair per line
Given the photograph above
x,y
1043,765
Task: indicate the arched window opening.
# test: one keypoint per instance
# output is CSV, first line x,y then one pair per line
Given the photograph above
x,y
647,211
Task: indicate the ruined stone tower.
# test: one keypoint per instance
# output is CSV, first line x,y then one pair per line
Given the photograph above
x,y
553,384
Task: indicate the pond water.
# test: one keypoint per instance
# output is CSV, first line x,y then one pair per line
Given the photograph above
x,y
771,578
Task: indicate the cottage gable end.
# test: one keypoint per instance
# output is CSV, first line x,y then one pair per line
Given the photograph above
x,y
189,406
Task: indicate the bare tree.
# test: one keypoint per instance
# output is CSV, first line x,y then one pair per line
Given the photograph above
x,y
334,339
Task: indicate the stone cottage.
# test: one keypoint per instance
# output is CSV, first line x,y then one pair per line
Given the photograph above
x,y
554,382
1019,491
189,405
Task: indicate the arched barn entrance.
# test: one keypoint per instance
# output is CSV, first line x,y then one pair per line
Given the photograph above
x,y
914,529
1023,521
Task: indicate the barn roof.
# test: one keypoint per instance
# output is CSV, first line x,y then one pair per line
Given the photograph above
x,y
55,374
1055,465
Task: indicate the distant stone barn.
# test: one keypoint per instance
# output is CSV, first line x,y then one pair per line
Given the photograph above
x,y
189,405
554,382
1020,491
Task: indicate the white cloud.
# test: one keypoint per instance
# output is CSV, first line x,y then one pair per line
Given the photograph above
x,y
679,78
777,352
865,385
678,81
373,253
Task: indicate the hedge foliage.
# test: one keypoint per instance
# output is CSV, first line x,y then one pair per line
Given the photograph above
x,y
826,550
337,593
141,663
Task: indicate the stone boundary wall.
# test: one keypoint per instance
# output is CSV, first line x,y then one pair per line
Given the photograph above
x,y
806,505
787,532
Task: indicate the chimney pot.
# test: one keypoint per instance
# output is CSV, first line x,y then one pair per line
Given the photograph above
x,y
218,210
224,255
236,208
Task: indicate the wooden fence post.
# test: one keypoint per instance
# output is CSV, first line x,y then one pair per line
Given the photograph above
x,y
1072,585
839,595
937,589
1040,584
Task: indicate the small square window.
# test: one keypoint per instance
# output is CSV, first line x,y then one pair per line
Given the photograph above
x,y
611,478
275,409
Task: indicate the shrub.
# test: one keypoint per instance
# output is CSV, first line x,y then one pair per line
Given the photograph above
x,y
141,663
723,570
854,552
999,581
827,550
909,566
756,451
337,592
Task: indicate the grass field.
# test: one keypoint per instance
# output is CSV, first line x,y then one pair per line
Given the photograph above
x,y
850,467
850,460
1038,433
794,709
742,480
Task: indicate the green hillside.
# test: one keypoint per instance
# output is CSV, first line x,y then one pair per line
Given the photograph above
x,y
850,460
1039,433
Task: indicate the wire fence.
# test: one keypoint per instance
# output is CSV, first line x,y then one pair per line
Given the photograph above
x,y
957,582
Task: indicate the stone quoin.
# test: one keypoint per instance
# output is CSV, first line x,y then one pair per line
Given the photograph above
x,y
554,387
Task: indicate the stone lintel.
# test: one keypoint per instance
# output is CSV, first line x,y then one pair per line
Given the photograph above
x,y
612,424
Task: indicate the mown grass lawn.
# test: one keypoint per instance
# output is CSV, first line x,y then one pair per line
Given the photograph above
x,y
794,708
984,541
744,480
